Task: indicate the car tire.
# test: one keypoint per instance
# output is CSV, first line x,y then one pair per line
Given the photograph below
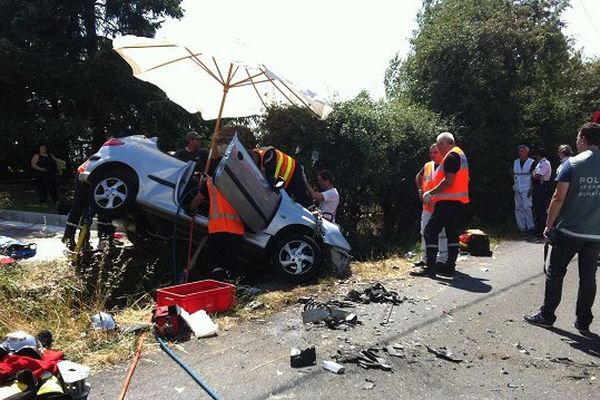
x,y
297,257
113,193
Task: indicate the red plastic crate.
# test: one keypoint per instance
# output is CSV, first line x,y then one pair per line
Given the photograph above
x,y
208,295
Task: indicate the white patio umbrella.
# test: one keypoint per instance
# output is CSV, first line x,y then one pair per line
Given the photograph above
x,y
216,86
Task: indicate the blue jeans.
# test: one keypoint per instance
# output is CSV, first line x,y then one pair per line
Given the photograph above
x,y
561,255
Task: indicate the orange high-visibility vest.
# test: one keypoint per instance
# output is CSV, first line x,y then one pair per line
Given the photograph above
x,y
427,183
221,215
284,167
459,189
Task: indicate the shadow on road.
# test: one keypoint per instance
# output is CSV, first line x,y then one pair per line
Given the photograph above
x,y
589,344
466,282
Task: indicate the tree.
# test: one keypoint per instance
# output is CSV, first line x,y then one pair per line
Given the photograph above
x,y
61,80
374,149
503,71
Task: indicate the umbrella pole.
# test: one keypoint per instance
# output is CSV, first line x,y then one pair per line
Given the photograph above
x,y
217,128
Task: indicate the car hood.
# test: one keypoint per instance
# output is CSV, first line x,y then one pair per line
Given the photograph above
x,y
332,235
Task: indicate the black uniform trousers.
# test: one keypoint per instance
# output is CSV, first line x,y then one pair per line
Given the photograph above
x,y
561,255
46,186
222,251
445,215
540,201
81,212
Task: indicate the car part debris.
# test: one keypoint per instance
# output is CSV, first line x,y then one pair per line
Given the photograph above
x,y
561,360
376,293
303,358
366,359
521,349
135,328
444,354
335,303
315,311
254,305
333,367
392,351
369,384
245,291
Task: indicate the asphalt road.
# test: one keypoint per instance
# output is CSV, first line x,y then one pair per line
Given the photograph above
x,y
477,315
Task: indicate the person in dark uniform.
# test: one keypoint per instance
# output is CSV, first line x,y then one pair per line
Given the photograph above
x,y
193,151
45,168
276,164
448,194
572,227
82,213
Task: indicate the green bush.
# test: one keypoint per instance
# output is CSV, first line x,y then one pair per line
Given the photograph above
x,y
374,149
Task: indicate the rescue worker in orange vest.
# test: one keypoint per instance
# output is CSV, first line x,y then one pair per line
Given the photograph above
x,y
449,193
424,182
275,163
225,227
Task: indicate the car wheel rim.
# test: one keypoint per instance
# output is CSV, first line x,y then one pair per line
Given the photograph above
x,y
296,257
110,193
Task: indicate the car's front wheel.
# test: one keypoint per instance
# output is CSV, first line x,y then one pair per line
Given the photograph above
x,y
113,193
297,257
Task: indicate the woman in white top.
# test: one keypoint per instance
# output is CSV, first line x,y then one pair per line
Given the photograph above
x,y
329,198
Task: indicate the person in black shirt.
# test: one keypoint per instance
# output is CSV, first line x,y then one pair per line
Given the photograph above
x,y
193,151
44,165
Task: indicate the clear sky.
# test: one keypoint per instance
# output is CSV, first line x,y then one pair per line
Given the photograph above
x,y
335,47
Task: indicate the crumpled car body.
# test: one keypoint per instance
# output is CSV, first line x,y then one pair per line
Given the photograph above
x,y
131,180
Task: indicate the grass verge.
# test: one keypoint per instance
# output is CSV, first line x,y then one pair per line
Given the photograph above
x,y
50,295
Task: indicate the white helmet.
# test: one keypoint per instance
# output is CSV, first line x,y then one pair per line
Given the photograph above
x,y
103,321
20,343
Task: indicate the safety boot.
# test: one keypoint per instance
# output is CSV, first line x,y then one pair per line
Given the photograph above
x,y
449,268
431,268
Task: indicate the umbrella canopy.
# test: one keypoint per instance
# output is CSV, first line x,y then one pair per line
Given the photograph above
x,y
197,81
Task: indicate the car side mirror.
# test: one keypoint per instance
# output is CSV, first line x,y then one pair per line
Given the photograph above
x,y
278,185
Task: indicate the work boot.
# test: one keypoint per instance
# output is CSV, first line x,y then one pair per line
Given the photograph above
x,y
419,264
449,268
69,236
538,319
445,269
583,329
423,271
69,242
429,269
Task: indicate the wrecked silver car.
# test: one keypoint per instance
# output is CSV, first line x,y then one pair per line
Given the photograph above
x,y
134,182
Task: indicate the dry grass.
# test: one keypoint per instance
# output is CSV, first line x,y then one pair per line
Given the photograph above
x,y
49,295
276,300
391,268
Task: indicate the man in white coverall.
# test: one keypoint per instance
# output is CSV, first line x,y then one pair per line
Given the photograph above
x,y
521,172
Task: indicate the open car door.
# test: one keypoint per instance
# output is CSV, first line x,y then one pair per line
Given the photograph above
x,y
244,186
